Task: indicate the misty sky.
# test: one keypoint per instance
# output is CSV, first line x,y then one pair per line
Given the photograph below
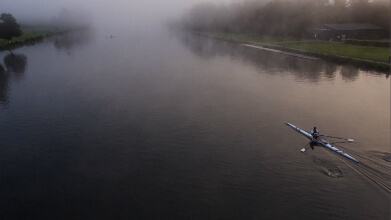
x,y
147,10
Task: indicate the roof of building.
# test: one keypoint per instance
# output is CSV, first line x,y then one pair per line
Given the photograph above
x,y
352,27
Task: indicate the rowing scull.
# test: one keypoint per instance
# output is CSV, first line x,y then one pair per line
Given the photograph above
x,y
322,142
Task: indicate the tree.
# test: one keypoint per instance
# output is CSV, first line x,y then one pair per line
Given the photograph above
x,y
9,28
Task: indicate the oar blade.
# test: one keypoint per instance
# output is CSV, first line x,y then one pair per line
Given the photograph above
x,y
350,140
302,150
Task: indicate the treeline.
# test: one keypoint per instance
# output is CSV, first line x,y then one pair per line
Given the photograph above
x,y
65,20
13,36
288,18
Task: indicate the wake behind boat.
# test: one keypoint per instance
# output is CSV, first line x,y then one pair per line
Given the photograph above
x,y
322,142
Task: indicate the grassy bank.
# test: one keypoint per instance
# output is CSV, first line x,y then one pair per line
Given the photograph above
x,y
364,56
30,35
243,38
355,51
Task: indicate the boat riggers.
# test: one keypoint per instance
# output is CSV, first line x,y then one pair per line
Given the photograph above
x,y
304,148
346,139
322,142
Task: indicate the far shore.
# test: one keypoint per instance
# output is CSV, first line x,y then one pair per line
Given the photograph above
x,y
363,56
29,36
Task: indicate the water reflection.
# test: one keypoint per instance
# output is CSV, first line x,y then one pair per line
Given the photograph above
x,y
330,71
68,41
271,63
15,66
4,84
349,73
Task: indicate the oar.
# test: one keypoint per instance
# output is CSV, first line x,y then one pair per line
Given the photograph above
x,y
350,140
340,142
304,148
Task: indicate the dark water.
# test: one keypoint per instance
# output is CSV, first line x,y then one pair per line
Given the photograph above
x,y
152,125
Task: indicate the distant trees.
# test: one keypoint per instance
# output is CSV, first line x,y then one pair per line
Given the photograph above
x,y
71,20
290,18
9,28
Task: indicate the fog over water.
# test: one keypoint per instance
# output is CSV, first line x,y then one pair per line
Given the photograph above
x,y
128,120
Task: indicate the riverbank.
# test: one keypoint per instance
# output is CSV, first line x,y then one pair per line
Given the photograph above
x,y
29,36
362,56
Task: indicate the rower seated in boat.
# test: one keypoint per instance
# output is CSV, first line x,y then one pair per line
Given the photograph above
x,y
315,133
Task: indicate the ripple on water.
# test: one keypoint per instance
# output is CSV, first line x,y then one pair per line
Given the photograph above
x,y
330,169
336,173
387,157
383,155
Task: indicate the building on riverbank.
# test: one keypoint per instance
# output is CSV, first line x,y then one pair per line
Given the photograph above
x,y
340,32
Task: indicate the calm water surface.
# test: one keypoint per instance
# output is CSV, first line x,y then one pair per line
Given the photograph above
x,y
163,125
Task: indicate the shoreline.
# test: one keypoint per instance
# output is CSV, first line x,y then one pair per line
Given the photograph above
x,y
29,37
17,44
362,63
282,52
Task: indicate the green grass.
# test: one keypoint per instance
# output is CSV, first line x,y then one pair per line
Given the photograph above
x,y
355,51
333,49
29,34
244,37
3,43
338,52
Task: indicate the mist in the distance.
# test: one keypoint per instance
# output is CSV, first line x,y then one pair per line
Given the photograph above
x,y
116,13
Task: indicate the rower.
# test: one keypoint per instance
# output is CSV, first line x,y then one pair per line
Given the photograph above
x,y
315,134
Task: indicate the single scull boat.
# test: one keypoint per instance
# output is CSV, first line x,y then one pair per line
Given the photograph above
x,y
322,142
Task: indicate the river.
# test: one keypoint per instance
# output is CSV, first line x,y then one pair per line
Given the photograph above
x,y
163,125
